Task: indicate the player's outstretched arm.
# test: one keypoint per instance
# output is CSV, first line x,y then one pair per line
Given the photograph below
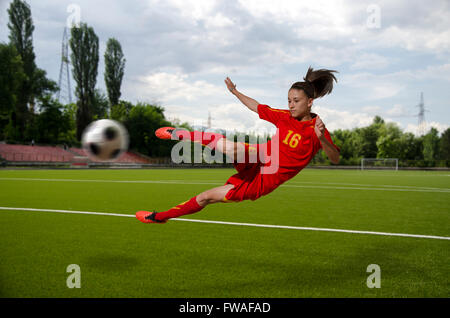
x,y
247,101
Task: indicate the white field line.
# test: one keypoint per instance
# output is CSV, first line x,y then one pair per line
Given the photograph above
x,y
240,224
369,185
370,189
114,181
183,182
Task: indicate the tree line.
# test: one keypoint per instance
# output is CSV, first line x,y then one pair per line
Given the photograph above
x,y
29,110
387,140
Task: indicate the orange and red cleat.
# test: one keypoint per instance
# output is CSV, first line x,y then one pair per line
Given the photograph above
x,y
148,217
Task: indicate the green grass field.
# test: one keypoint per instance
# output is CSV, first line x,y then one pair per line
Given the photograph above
x,y
121,257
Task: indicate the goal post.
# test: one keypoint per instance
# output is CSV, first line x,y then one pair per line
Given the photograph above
x,y
379,164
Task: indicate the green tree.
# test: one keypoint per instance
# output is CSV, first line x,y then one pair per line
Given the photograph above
x,y
444,146
121,111
342,139
377,120
355,141
69,136
41,86
431,145
100,105
84,47
388,142
52,122
21,37
11,79
369,138
141,124
410,147
36,84
114,70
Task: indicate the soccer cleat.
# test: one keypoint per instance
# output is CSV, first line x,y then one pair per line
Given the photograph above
x,y
148,217
164,132
168,133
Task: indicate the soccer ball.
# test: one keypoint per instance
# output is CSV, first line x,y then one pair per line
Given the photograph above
x,y
105,140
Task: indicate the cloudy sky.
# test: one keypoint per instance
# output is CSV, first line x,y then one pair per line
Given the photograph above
x,y
179,52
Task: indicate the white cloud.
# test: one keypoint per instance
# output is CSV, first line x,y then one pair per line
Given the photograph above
x,y
434,72
342,119
235,116
414,128
218,21
415,38
189,100
372,86
311,13
375,110
370,61
196,10
230,117
399,111
169,87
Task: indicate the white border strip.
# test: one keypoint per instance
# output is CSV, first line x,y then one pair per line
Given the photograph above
x,y
240,224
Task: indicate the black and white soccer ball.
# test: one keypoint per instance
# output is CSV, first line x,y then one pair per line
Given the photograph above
x,y
105,140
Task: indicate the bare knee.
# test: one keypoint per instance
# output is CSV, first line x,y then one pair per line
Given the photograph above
x,y
205,198
213,195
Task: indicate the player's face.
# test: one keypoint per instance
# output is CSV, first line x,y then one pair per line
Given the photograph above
x,y
299,103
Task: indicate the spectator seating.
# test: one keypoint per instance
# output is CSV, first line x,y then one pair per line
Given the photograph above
x,y
24,153
127,157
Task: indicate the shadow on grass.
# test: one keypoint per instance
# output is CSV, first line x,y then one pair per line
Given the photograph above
x,y
111,263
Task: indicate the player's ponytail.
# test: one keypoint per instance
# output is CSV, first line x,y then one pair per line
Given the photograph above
x,y
316,83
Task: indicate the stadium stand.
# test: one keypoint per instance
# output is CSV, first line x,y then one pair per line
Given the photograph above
x,y
24,153
127,157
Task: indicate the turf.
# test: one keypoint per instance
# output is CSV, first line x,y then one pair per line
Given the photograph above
x,y
121,257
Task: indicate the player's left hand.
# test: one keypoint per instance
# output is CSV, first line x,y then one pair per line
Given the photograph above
x,y
230,85
319,128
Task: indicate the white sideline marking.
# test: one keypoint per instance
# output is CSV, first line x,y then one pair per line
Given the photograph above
x,y
370,185
240,224
370,189
382,187
113,181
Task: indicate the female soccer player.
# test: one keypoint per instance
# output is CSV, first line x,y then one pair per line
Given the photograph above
x,y
300,135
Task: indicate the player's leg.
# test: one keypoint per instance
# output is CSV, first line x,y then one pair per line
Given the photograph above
x,y
214,195
190,206
205,138
235,150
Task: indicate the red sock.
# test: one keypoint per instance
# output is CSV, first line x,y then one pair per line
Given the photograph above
x,y
188,207
209,139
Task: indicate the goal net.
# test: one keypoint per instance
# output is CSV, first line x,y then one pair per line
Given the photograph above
x,y
379,163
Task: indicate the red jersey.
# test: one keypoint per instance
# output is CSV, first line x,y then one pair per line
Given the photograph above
x,y
296,142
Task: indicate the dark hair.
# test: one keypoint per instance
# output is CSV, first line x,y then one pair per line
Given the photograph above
x,y
317,83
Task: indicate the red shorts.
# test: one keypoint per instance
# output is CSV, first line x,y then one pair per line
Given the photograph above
x,y
248,181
